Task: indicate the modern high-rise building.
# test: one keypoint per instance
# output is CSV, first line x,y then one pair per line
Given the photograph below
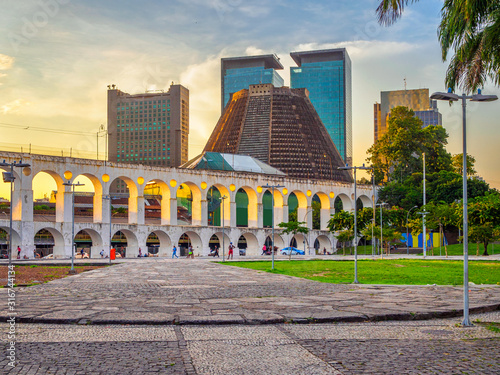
x,y
417,100
238,73
280,127
150,128
326,74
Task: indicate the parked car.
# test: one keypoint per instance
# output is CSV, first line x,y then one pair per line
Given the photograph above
x,y
50,256
293,250
4,254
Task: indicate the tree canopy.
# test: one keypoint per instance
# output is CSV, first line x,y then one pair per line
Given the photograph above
x,y
398,153
458,164
443,186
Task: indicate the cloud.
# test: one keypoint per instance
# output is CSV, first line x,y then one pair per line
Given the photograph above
x,y
364,49
252,50
6,62
13,107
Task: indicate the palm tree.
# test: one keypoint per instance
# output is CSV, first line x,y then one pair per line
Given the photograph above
x,y
472,29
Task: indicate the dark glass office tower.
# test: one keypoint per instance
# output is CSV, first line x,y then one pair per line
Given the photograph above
x,y
238,73
327,76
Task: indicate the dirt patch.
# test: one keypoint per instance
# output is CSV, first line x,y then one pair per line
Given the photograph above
x,y
321,274
34,274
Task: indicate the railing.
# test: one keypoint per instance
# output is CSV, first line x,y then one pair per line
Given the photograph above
x,y
52,151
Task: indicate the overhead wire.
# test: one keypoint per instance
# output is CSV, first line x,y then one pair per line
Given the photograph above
x,y
47,130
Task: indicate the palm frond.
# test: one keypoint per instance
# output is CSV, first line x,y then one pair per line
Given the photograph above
x,y
389,11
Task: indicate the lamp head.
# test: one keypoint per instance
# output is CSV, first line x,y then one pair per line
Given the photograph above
x,y
479,97
448,96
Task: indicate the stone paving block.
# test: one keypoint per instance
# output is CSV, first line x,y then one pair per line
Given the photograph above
x,y
131,318
211,319
268,318
238,357
180,289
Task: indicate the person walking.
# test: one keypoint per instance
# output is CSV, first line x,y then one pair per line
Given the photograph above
x,y
18,252
264,250
190,252
230,253
216,251
102,253
174,253
140,253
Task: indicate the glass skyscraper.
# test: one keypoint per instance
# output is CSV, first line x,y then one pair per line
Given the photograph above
x,y
238,73
327,76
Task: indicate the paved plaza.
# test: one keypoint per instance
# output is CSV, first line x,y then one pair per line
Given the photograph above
x,y
185,316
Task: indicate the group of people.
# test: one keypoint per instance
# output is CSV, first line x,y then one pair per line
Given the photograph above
x,y
190,252
146,254
230,254
266,250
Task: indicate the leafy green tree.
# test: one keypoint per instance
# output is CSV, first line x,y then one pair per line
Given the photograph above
x,y
367,232
340,221
391,236
293,227
398,153
441,216
458,164
345,236
443,186
364,218
471,29
484,219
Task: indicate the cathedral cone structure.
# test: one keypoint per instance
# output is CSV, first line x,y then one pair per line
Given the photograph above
x,y
280,127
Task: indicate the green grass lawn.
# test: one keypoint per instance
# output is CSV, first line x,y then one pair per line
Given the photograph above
x,y
456,249
384,271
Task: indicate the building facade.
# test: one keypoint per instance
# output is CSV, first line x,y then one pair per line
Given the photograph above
x,y
280,127
417,100
150,128
327,76
238,73
136,229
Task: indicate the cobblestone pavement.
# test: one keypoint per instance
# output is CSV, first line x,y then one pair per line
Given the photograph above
x,y
165,291
437,346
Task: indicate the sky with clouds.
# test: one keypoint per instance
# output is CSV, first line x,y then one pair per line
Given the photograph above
x,y
58,56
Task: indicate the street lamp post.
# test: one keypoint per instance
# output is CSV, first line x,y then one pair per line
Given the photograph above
x,y
307,235
222,222
374,200
73,243
355,218
423,215
407,231
9,177
272,187
110,217
424,235
449,96
381,230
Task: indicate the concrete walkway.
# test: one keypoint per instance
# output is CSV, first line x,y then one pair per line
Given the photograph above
x,y
187,292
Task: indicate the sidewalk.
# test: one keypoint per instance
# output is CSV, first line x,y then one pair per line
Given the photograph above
x,y
186,292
